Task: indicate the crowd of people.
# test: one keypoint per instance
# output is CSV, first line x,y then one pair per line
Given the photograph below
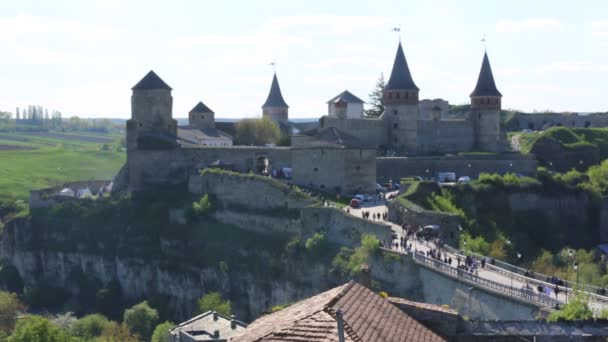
x,y
374,216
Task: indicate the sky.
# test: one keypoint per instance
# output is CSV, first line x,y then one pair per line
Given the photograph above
x,y
83,57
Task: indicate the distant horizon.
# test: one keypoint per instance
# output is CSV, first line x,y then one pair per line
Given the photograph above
x,y
79,57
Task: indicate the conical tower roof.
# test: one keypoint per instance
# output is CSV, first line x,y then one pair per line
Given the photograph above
x,y
485,83
151,81
201,108
275,98
401,78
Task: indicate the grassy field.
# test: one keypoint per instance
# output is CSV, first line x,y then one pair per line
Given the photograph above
x,y
568,137
39,159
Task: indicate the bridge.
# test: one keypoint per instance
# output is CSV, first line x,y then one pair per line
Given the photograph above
x,y
500,278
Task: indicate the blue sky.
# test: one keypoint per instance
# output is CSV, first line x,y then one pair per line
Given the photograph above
x,y
82,57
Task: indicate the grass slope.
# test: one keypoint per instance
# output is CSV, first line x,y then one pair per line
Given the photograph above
x,y
569,137
31,161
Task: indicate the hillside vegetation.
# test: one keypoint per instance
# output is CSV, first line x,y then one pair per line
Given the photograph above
x,y
40,159
570,138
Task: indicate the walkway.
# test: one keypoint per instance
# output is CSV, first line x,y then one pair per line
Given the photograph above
x,y
492,278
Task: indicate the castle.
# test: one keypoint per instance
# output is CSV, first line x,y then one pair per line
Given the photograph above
x,y
412,127
339,155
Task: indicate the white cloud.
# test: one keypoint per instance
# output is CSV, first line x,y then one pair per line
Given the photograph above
x,y
599,28
13,29
573,66
44,56
528,25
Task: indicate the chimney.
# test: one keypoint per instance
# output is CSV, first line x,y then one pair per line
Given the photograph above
x,y
340,325
214,315
232,322
365,277
216,334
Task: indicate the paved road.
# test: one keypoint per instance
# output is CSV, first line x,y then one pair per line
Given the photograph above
x,y
487,273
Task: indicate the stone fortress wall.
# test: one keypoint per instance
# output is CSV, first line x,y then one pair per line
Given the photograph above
x,y
543,121
463,165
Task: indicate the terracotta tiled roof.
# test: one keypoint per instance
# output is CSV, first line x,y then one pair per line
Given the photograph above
x,y
367,317
425,306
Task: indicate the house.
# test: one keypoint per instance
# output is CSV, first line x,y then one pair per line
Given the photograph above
x,y
209,326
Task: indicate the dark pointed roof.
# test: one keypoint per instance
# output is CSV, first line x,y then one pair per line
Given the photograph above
x,y
401,79
201,108
151,81
346,96
485,83
275,98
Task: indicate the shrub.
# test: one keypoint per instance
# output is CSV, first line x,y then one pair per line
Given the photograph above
x,y
116,332
141,319
203,207
213,302
89,326
161,332
349,262
38,329
576,309
383,294
9,306
316,244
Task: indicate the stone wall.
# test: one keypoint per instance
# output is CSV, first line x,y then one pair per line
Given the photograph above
x,y
370,131
268,207
544,121
404,212
603,225
466,165
444,136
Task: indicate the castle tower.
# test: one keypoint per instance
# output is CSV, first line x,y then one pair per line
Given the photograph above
x,y
275,107
485,110
151,110
201,117
401,106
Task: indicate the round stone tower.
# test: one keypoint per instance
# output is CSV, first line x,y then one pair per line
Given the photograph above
x,y
275,107
401,106
485,110
151,110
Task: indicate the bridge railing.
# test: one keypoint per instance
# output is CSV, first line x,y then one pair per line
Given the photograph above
x,y
535,278
521,294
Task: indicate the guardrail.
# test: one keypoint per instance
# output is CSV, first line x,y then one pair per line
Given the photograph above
x,y
591,289
511,270
532,296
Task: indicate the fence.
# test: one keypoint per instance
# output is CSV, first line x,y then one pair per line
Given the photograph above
x,y
529,296
534,278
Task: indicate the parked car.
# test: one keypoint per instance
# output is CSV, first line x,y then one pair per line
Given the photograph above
x,y
464,179
359,198
380,188
446,177
355,203
368,198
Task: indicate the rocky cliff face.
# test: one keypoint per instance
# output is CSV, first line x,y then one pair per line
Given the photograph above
x,y
140,277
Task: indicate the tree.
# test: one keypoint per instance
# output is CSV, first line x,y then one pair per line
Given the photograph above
x,y
38,329
141,319
376,99
115,332
161,333
576,309
9,306
213,302
89,326
257,132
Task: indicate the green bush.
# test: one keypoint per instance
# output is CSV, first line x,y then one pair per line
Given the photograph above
x,y
349,262
38,329
213,302
161,332
141,319
89,326
203,207
576,309
316,244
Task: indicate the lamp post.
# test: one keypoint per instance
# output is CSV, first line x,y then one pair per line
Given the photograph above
x,y
575,265
570,255
465,247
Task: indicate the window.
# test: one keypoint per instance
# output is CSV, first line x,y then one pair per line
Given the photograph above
x,y
140,124
390,95
316,169
407,95
395,125
358,168
398,95
395,139
202,117
395,112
